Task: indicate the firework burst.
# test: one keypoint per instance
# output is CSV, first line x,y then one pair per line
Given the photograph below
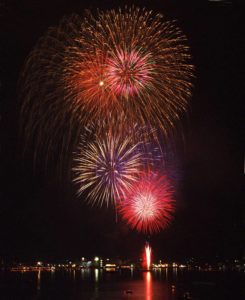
x,y
128,64
107,168
149,205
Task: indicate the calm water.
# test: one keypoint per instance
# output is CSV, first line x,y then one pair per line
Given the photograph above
x,y
98,284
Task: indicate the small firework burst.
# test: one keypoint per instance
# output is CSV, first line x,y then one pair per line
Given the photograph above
x,y
107,168
128,72
149,206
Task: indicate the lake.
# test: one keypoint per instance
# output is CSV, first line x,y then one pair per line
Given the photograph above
x,y
165,284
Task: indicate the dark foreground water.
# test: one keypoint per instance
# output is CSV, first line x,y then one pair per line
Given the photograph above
x,y
98,284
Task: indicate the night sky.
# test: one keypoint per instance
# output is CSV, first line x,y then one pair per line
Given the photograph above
x,y
40,216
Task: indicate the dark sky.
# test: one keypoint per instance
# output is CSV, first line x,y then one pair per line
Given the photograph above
x,y
41,218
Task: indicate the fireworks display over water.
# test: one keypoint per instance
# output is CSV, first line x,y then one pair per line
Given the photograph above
x,y
120,70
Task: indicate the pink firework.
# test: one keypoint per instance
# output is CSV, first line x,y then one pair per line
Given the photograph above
x,y
150,206
128,71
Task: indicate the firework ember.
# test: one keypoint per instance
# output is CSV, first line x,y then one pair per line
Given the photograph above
x,y
149,206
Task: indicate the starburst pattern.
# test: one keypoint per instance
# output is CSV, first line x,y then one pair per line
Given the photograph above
x,y
107,168
149,206
125,64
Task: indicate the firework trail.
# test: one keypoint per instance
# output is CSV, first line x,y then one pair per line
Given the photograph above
x,y
118,65
148,256
149,205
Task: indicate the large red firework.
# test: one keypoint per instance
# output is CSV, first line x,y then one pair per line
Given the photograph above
x,y
149,206
127,64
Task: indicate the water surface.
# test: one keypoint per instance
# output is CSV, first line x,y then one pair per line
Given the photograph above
x,y
100,285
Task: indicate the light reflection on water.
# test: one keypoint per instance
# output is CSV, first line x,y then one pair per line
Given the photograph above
x,y
96,275
99,284
165,284
38,280
148,285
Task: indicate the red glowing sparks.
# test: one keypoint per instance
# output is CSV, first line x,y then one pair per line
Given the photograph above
x,y
128,64
150,205
148,256
128,71
107,78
